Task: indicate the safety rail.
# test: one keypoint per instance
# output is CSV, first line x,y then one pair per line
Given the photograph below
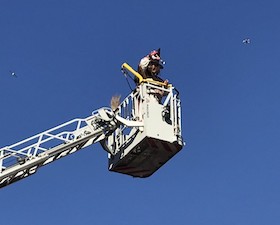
x,y
131,108
169,99
127,67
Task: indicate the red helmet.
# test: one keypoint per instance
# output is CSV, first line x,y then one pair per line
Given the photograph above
x,y
155,54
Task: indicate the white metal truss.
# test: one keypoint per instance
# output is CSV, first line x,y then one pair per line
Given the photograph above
x,y
22,159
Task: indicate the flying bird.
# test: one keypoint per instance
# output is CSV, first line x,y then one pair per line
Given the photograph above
x,y
246,41
13,74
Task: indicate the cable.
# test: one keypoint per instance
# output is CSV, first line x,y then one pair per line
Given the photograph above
x,y
126,77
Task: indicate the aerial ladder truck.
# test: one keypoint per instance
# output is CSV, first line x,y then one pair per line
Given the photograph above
x,y
140,135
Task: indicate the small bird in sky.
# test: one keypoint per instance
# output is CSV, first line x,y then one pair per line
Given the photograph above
x,y
246,41
13,74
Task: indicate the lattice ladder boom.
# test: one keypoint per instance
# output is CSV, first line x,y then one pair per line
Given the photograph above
x,y
22,159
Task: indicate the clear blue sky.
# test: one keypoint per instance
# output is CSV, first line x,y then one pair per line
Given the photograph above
x,y
67,55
